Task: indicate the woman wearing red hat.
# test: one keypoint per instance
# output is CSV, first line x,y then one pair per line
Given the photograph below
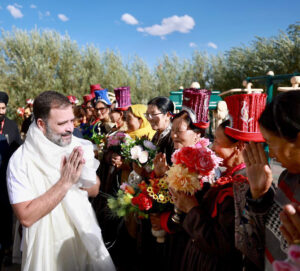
x,y
210,223
187,128
280,126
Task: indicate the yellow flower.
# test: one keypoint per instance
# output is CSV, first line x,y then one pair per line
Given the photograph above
x,y
149,189
161,196
151,194
179,178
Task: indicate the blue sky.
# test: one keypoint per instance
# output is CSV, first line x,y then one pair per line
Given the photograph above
x,y
152,28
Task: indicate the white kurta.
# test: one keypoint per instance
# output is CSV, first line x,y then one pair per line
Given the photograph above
x,y
68,238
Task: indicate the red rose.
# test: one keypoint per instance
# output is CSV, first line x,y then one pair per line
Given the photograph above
x,y
142,201
186,156
205,162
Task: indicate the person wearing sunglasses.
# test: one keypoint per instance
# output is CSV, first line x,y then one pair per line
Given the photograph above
x,y
101,104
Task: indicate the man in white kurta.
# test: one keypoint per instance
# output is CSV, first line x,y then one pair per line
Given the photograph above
x,y
49,179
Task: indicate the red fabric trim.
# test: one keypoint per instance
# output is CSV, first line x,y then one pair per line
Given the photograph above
x,y
226,192
164,217
287,191
95,121
122,108
231,171
202,125
269,255
2,125
244,136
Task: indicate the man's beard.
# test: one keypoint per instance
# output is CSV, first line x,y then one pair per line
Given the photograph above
x,y
2,116
57,138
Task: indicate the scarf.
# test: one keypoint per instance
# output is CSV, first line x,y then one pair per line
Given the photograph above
x,y
68,238
145,129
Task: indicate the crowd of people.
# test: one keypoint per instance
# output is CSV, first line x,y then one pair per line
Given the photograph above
x,y
56,181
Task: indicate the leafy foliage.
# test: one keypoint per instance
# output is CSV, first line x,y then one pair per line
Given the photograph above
x,y
35,61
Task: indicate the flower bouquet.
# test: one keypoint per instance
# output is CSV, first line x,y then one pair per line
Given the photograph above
x,y
115,140
141,151
98,138
292,263
145,199
192,166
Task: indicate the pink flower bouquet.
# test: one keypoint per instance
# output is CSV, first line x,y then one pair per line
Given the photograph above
x,y
115,140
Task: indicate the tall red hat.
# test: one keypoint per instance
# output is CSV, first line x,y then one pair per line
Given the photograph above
x,y
244,111
123,98
87,98
29,101
93,88
73,99
198,101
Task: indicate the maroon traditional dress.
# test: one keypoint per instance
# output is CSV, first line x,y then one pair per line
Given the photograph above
x,y
210,227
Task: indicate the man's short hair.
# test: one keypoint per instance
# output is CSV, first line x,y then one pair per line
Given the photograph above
x,y
46,101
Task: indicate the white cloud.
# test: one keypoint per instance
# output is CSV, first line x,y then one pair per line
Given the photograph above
x,y
183,24
14,11
193,44
129,19
32,6
41,15
63,17
212,45
17,5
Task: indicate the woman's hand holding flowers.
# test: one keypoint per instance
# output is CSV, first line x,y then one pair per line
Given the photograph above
x,y
183,201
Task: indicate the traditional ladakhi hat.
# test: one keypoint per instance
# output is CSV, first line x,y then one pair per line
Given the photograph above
x,y
244,111
102,96
123,98
73,100
29,101
93,88
198,101
20,112
87,98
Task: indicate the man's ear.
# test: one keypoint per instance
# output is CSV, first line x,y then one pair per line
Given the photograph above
x,y
41,125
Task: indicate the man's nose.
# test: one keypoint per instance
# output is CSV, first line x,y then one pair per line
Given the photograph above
x,y
70,127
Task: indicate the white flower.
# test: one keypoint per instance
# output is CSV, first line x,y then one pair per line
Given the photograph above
x,y
148,144
135,152
143,157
